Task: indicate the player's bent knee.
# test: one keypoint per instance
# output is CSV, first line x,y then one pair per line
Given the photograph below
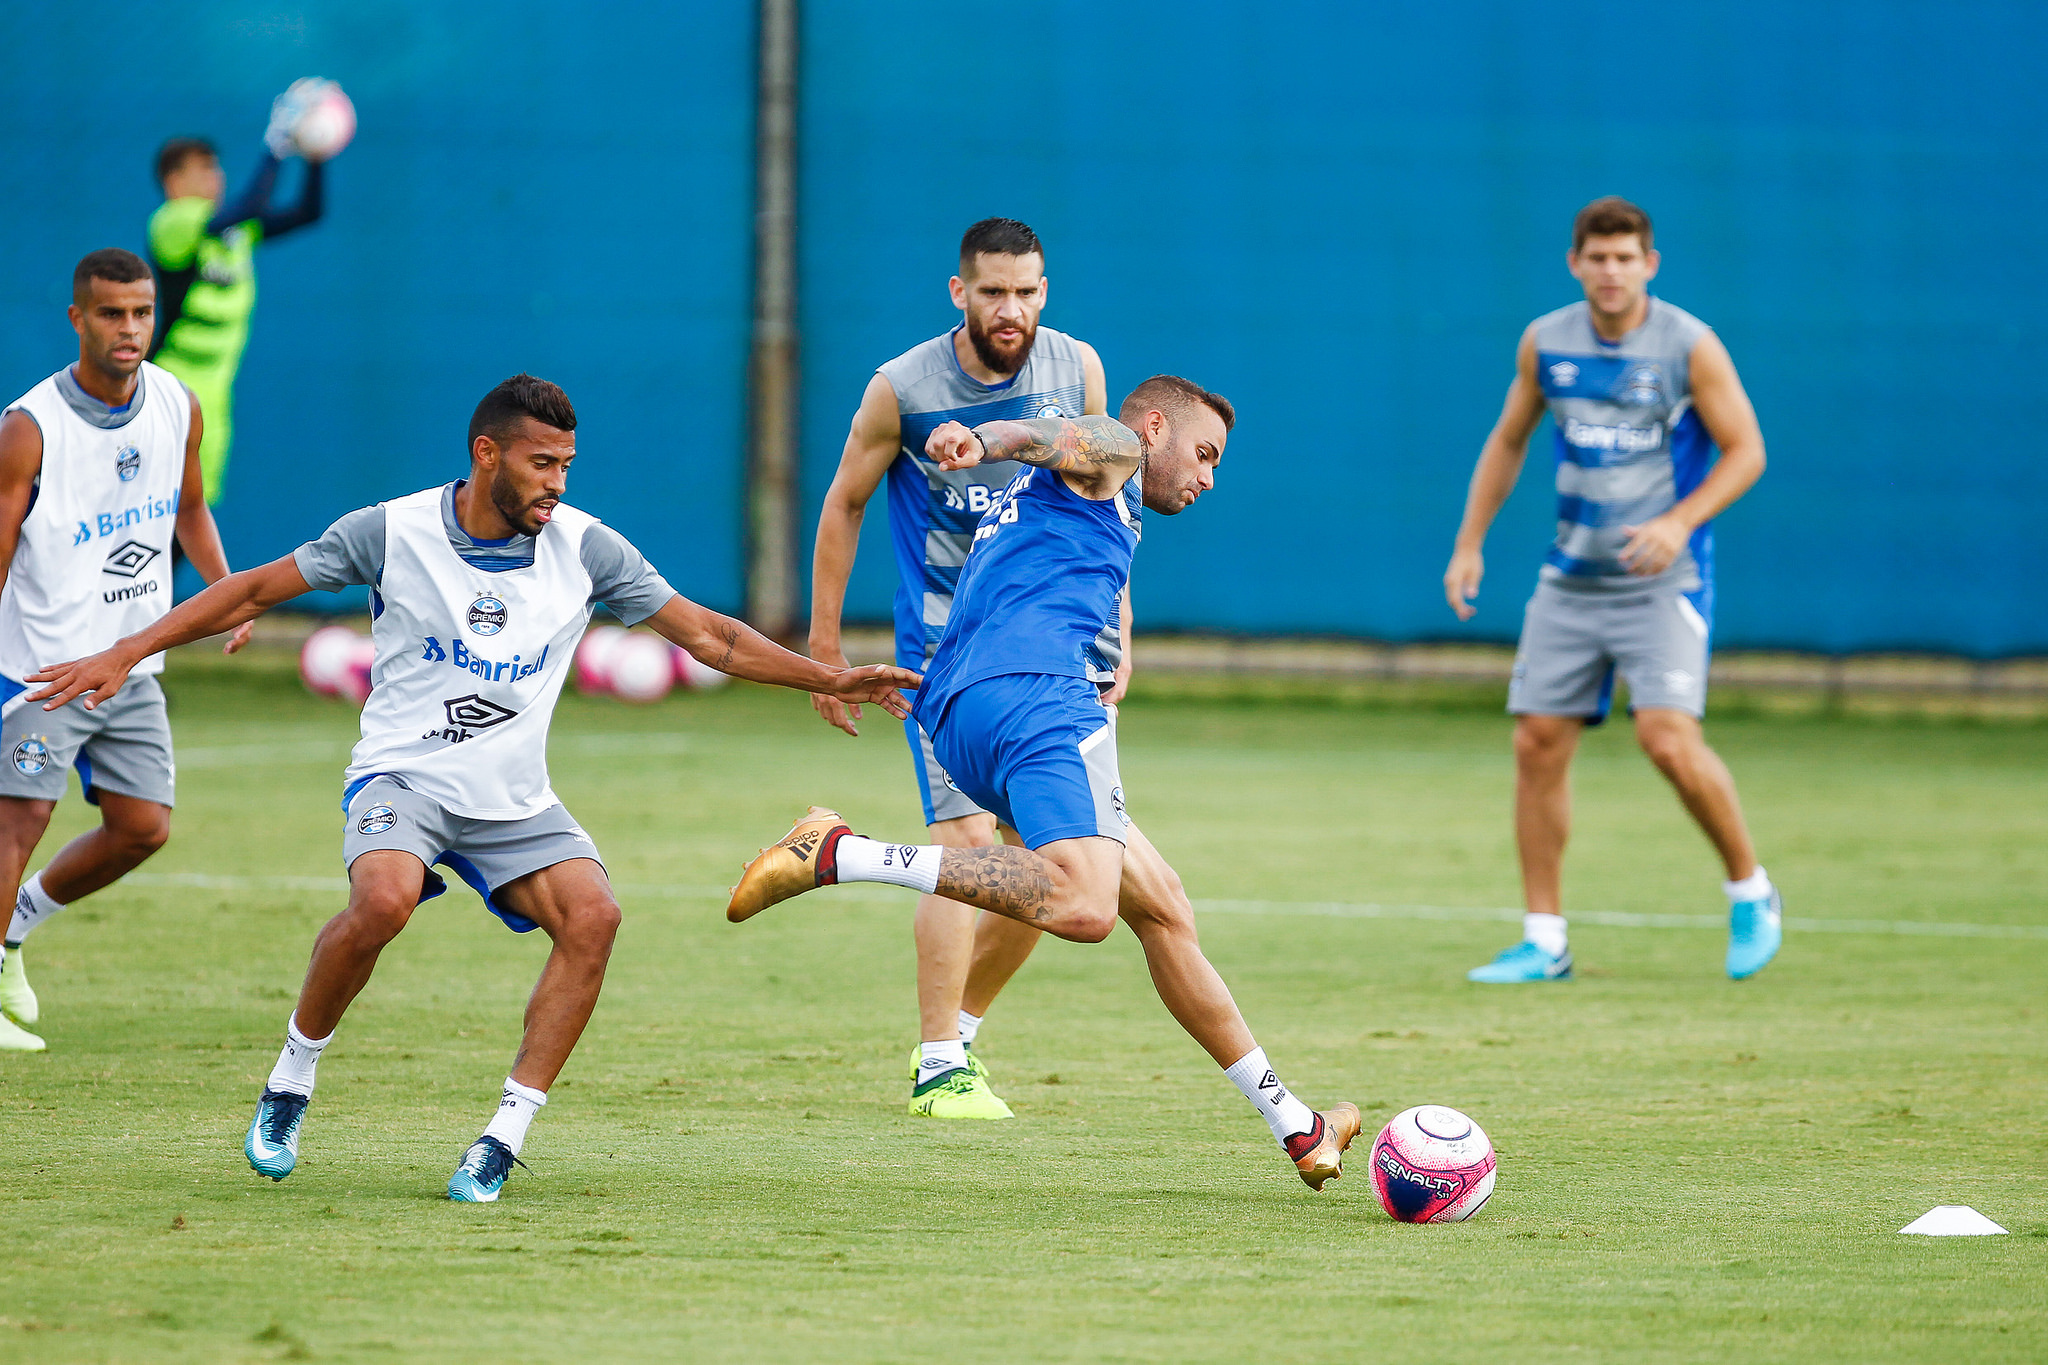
x,y
378,915
592,925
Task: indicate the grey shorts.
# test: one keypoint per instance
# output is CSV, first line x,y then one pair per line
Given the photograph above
x,y
386,814
1575,642
123,747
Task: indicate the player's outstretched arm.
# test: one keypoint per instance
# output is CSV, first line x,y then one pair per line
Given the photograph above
x,y
234,600
1096,454
195,526
1500,464
738,649
871,447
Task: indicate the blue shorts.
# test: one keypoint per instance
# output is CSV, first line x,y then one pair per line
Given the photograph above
x,y
942,799
1037,750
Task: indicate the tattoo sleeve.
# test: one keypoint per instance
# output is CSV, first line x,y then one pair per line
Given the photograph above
x,y
1086,445
1009,881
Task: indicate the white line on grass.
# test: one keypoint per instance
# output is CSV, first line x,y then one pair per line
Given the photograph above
x,y
1612,919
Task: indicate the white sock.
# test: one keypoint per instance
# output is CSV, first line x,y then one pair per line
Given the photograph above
x,y
1755,887
31,908
1545,931
1253,1075
970,1024
515,1110
936,1059
870,860
295,1065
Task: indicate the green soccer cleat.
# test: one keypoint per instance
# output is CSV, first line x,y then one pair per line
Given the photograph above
x,y
961,1093
15,1038
17,997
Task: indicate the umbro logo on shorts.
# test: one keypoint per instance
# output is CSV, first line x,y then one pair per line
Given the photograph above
x,y
31,756
377,820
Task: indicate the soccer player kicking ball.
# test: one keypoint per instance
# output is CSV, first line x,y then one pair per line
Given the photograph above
x,y
1641,394
481,590
996,362
99,469
1014,719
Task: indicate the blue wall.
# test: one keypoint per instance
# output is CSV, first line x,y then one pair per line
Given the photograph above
x,y
527,190
1342,215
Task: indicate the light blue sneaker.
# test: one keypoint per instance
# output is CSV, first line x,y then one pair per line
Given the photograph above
x,y
273,1143
1755,929
482,1172
1523,962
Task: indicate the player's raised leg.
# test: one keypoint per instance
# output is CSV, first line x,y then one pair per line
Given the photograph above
x,y
1156,906
1675,743
572,903
384,889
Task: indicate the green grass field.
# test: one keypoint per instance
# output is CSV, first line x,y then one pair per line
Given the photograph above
x,y
1690,1169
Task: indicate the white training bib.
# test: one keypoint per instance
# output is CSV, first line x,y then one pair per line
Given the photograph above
x,y
469,663
94,560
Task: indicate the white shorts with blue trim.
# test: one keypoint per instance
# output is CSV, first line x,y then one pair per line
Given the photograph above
x,y
383,813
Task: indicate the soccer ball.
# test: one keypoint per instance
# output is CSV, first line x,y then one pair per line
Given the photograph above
x,y
690,672
326,124
594,660
324,659
1432,1165
641,669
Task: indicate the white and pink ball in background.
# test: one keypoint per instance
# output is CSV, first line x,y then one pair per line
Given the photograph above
x,y
641,670
689,672
593,668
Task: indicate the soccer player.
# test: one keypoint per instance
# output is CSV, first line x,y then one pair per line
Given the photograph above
x,y
99,469
204,251
1641,394
481,590
1016,721
996,363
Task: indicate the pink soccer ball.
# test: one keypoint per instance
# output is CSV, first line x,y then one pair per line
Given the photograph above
x,y
641,669
593,667
326,125
356,679
324,659
1432,1165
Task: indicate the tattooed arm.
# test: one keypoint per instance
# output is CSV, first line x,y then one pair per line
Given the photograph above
x,y
1095,454
734,647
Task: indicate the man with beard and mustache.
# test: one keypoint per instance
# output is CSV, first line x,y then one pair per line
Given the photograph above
x,y
996,363
1012,714
480,591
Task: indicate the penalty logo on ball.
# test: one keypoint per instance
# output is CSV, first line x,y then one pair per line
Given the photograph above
x,y
487,615
31,756
377,820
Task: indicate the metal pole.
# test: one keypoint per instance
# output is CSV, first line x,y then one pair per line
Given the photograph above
x,y
772,363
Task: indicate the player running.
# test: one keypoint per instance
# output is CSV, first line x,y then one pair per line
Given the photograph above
x,y
996,363
99,469
205,256
1016,721
1641,394
480,591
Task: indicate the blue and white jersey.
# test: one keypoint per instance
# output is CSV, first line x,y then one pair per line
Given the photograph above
x,y
933,513
1038,589
1629,444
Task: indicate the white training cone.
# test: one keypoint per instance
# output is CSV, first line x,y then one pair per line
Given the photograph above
x,y
1953,1220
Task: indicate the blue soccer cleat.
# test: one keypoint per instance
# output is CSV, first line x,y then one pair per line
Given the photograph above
x,y
1523,962
482,1172
1755,929
273,1143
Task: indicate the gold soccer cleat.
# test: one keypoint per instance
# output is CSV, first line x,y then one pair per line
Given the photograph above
x,y
1320,1154
798,862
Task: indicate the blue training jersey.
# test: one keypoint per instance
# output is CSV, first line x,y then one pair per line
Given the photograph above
x,y
933,513
1629,444
1039,586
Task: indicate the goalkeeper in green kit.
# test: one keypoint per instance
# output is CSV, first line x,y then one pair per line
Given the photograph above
x,y
203,247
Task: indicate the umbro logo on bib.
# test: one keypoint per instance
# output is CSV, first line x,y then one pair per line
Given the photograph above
x,y
469,715
130,558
